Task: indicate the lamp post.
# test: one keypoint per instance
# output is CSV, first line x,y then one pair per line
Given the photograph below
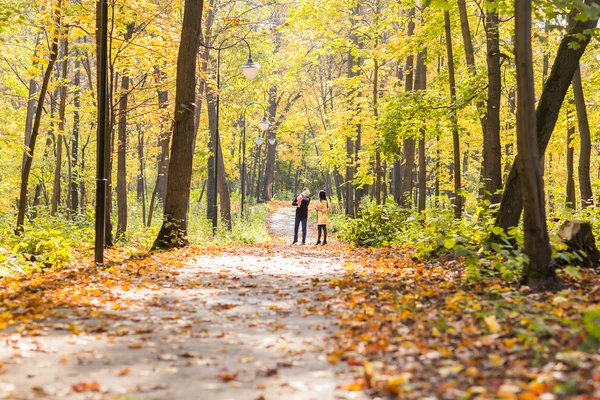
x,y
101,142
250,70
263,126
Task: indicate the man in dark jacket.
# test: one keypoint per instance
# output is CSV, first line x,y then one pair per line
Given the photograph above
x,y
303,201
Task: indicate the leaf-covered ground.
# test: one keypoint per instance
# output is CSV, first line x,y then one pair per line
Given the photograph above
x,y
274,322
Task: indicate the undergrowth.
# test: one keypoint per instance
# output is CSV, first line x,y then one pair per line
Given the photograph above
x,y
436,232
50,242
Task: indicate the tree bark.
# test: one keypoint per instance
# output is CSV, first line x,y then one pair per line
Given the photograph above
x,y
570,190
75,140
31,102
458,200
539,272
492,155
122,150
164,137
38,119
585,143
271,149
421,85
571,47
404,180
122,147
60,134
470,56
174,228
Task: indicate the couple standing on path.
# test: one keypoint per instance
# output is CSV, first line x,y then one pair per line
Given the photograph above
x,y
301,202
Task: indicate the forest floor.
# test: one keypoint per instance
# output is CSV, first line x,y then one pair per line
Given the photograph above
x,y
276,321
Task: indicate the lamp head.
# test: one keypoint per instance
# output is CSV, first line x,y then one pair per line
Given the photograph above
x,y
264,124
250,69
259,140
272,140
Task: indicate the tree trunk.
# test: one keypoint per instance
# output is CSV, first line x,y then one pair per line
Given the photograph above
x,y
224,196
567,59
539,272
271,149
162,159
492,155
470,56
75,140
585,143
142,175
579,238
31,102
174,228
38,119
122,159
60,134
458,200
421,85
570,191
222,188
378,166
400,169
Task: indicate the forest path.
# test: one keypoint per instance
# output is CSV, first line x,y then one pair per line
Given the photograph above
x,y
241,322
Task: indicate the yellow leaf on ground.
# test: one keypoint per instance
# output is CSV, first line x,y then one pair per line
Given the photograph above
x,y
492,323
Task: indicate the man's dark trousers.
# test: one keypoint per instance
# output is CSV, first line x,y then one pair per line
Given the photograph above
x,y
297,222
301,217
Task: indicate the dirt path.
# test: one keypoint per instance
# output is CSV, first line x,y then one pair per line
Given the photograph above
x,y
246,322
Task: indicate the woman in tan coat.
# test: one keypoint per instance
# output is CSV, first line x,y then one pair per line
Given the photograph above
x,y
322,208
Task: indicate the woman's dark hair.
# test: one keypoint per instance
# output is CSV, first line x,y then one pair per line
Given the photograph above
x,y
322,195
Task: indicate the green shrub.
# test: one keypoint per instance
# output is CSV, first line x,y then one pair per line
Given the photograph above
x,y
44,247
591,321
375,226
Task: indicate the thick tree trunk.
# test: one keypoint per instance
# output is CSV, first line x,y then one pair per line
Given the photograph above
x,y
174,228
492,155
539,272
567,59
60,134
38,119
458,200
585,143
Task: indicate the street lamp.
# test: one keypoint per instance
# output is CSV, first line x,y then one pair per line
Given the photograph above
x,y
250,70
259,141
263,125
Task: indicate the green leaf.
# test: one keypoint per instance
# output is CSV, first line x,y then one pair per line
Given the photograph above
x,y
449,243
460,251
591,321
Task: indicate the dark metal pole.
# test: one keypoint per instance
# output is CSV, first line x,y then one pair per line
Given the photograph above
x,y
258,177
215,217
101,180
243,160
